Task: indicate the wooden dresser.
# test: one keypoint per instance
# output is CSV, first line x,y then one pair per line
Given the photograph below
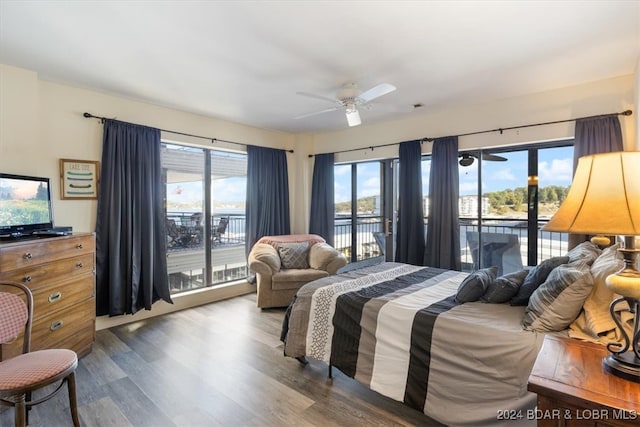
x,y
60,271
574,390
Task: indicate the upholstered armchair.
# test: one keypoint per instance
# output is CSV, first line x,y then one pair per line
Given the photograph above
x,y
283,264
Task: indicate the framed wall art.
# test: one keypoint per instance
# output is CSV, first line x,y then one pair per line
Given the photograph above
x,y
79,179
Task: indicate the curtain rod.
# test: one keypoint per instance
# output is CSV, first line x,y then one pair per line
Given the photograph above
x,y
213,140
429,139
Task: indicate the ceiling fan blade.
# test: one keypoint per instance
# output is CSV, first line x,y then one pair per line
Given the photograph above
x,y
389,108
326,110
485,156
353,117
493,157
376,92
324,98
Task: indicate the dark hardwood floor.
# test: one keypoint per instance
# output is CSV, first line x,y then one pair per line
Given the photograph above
x,y
221,364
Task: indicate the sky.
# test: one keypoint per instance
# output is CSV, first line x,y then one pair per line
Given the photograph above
x,y
554,168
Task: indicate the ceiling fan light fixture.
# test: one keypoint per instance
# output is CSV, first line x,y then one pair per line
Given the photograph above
x,y
466,160
353,117
350,98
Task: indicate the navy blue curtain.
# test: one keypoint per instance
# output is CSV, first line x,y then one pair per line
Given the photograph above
x,y
443,228
321,220
131,263
267,209
410,227
594,135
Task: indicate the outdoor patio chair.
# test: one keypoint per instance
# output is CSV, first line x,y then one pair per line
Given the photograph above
x,y
220,229
498,249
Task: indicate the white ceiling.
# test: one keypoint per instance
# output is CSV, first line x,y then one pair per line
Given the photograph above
x,y
245,61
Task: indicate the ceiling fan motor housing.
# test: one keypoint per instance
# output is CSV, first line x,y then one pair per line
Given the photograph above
x,y
348,93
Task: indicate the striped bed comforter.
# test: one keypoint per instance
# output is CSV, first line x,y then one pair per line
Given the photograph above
x,y
397,329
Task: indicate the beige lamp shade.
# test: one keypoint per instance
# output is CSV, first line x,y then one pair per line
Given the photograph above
x,y
604,197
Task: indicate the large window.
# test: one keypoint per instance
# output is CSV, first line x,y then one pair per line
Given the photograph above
x,y
505,196
205,205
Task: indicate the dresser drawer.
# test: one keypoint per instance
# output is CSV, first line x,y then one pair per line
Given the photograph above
x,y
44,275
31,253
55,328
80,341
53,298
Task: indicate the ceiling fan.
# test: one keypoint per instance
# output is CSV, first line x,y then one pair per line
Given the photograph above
x,y
466,159
350,98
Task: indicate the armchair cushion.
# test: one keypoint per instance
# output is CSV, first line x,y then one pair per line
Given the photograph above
x,y
321,254
294,255
267,254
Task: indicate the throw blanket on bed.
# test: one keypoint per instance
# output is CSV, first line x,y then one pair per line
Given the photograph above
x,y
397,329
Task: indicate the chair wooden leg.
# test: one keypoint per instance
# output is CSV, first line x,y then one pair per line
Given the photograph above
x,y
20,411
73,402
27,407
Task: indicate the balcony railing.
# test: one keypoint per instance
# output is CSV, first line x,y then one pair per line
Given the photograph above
x,y
369,244
185,255
185,230
550,244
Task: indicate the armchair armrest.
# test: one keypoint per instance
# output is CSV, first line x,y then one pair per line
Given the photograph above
x,y
264,259
323,256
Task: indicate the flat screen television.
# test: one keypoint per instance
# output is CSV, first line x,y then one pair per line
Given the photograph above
x,y
25,205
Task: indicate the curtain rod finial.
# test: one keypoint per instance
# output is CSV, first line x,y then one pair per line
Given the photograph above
x,y
627,113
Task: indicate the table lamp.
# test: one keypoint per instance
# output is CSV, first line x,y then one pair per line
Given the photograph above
x,y
604,198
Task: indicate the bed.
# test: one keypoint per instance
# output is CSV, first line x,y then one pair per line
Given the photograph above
x,y
399,330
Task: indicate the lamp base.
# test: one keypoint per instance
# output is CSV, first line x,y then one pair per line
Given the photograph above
x,y
623,365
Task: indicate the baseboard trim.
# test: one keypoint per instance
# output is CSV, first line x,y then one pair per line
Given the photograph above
x,y
180,302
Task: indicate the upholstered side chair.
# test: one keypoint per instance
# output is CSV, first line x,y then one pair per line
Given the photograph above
x,y
21,375
283,264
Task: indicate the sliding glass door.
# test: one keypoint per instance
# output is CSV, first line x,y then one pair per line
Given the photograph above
x,y
205,220
505,197
361,214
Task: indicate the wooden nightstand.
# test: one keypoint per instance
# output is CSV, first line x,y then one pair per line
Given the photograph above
x,y
574,390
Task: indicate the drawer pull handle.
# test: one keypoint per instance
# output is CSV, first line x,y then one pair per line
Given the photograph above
x,y
56,296
26,278
79,246
27,255
79,265
56,325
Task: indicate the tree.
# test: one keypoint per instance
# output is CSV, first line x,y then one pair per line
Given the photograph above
x,y
42,193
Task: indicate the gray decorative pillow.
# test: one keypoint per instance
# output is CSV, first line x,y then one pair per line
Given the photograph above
x,y
558,301
504,287
585,251
536,277
294,255
475,284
